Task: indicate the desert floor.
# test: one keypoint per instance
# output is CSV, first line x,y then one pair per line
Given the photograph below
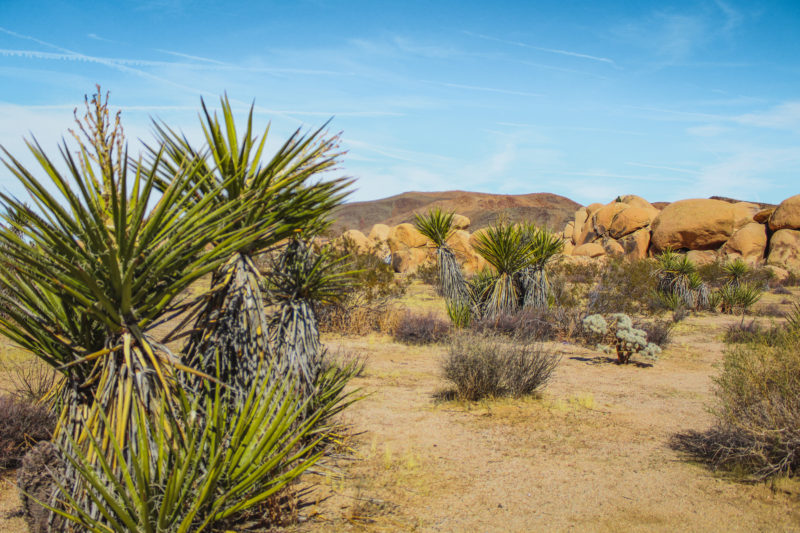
x,y
591,453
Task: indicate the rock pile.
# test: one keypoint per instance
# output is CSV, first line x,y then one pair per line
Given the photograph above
x,y
629,226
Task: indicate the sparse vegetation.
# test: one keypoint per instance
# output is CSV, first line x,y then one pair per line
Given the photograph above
x,y
757,408
617,334
481,366
413,328
22,424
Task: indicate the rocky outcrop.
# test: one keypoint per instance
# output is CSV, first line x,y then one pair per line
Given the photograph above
x,y
784,249
591,249
379,232
748,243
408,247
786,215
631,219
743,213
460,222
358,241
635,244
693,225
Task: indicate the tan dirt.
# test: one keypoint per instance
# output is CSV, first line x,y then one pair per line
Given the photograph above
x,y
590,454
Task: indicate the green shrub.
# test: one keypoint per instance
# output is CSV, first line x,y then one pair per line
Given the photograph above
x,y
487,366
738,298
625,286
757,411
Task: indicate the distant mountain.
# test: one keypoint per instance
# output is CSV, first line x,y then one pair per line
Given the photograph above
x,y
734,201
483,209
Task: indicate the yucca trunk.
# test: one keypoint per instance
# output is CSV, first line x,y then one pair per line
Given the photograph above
x,y
135,374
453,285
297,346
230,338
503,297
536,288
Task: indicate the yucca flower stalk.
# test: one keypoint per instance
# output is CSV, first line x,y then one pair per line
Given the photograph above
x,y
503,247
437,226
94,266
544,245
232,318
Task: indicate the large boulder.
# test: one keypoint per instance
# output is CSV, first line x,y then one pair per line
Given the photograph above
x,y
635,244
636,201
787,214
743,214
784,249
579,221
604,217
406,235
379,233
762,217
469,259
591,249
409,248
612,247
696,224
748,242
569,229
358,240
702,257
591,209
631,219
460,222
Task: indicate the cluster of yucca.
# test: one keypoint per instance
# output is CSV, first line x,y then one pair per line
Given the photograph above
x,y
680,285
155,439
517,253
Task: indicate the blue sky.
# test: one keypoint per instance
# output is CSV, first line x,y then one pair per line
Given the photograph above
x,y
590,100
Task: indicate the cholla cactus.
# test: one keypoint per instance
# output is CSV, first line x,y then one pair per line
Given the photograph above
x,y
618,331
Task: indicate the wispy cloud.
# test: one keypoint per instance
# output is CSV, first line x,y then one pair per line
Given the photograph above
x,y
483,89
662,167
96,37
520,44
783,116
193,58
631,177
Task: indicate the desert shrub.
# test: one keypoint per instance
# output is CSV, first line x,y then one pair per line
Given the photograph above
x,y
780,289
428,273
757,411
738,297
624,286
585,273
617,334
531,324
771,309
22,424
421,329
368,304
659,332
29,380
487,366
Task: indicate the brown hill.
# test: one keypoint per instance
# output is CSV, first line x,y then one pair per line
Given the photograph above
x,y
544,209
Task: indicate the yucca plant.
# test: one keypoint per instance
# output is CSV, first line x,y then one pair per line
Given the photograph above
x,y
735,271
677,275
232,318
233,458
299,279
437,225
503,246
739,297
95,265
543,246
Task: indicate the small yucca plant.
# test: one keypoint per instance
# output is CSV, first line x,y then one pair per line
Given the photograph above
x,y
504,247
544,245
735,271
437,225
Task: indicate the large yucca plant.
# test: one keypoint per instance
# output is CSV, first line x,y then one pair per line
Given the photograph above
x,y
99,259
504,247
232,319
533,278
299,279
437,225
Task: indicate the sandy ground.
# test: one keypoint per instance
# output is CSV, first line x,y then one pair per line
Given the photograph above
x,y
590,454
